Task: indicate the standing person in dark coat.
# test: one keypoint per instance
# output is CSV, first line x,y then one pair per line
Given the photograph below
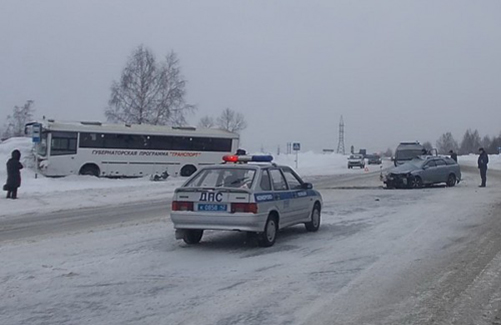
x,y
14,167
454,155
483,160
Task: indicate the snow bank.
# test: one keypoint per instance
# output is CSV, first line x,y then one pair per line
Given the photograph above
x,y
471,160
44,194
46,184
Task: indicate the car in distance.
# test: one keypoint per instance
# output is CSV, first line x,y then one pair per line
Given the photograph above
x,y
374,159
257,198
424,171
356,160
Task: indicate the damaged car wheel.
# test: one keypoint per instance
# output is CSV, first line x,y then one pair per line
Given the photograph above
x,y
416,182
451,180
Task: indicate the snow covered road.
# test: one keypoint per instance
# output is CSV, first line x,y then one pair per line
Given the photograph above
x,y
380,257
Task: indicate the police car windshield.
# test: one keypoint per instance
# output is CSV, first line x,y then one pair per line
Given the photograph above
x,y
223,177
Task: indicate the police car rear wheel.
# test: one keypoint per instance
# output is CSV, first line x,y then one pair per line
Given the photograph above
x,y
268,237
192,236
314,224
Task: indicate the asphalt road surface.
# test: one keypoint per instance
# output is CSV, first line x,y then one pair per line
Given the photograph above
x,y
426,256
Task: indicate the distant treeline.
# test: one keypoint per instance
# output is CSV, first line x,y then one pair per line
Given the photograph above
x,y
470,143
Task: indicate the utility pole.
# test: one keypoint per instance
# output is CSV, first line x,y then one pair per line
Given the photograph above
x,y
340,145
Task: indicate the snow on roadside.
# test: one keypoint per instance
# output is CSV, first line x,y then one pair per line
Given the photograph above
x,y
471,160
43,194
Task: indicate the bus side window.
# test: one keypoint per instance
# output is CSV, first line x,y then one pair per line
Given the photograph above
x,y
91,140
63,143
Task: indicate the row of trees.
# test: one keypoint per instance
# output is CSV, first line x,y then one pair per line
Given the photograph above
x,y
470,143
149,91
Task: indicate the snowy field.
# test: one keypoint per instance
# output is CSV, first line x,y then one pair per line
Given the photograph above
x,y
43,194
471,160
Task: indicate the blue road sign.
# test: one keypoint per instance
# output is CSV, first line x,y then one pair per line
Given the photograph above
x,y
296,146
35,133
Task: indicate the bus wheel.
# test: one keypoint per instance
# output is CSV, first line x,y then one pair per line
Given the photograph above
x,y
188,170
90,170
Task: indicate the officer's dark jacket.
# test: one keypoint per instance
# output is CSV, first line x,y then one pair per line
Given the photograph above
x,y
483,160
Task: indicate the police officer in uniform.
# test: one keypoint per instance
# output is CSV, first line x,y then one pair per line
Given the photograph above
x,y
483,160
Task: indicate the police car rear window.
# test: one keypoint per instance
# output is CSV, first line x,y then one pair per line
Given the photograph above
x,y
220,177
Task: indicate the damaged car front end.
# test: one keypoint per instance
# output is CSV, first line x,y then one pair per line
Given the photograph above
x,y
406,180
424,171
402,177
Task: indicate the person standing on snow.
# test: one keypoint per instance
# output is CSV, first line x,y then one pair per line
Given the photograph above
x,y
14,167
454,155
483,160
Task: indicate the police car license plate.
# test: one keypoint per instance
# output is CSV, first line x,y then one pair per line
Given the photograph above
x,y
212,207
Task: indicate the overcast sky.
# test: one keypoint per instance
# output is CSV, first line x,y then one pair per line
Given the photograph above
x,y
396,70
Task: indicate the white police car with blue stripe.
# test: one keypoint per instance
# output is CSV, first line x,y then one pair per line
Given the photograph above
x,y
245,193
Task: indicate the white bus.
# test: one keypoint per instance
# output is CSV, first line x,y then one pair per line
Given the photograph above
x,y
113,150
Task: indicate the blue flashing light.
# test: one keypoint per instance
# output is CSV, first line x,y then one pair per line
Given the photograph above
x,y
244,159
262,158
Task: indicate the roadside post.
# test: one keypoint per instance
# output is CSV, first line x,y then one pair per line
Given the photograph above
x,y
35,137
296,146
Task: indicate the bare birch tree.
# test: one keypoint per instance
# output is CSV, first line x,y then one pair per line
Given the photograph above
x,y
16,122
446,143
149,92
428,146
231,121
206,122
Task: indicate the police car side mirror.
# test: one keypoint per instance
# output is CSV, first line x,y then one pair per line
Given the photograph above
x,y
307,186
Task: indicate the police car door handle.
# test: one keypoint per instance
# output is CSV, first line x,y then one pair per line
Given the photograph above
x,y
277,197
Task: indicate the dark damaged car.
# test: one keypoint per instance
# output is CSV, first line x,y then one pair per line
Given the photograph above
x,y
424,171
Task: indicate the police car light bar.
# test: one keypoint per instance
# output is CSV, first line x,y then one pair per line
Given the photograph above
x,y
235,158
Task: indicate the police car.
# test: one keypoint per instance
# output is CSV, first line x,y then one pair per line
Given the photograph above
x,y
245,193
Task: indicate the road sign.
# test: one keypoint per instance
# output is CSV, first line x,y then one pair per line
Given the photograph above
x,y
296,146
35,132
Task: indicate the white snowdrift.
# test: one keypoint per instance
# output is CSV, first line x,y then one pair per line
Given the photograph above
x,y
44,194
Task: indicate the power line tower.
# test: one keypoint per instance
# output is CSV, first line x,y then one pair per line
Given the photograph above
x,y
340,145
